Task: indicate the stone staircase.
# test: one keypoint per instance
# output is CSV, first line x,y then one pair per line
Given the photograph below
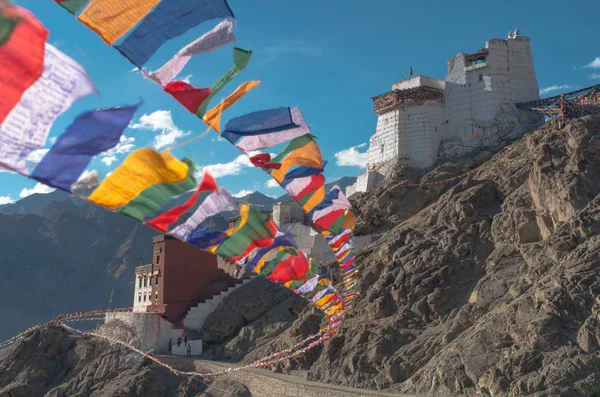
x,y
197,315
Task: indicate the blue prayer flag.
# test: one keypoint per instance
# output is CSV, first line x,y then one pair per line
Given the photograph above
x,y
258,123
301,172
91,133
169,19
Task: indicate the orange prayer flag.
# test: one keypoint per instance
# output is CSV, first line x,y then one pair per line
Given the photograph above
x,y
112,19
213,117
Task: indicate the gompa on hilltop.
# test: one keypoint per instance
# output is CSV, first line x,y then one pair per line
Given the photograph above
x,y
423,120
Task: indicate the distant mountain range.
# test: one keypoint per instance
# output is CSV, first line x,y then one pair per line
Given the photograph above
x,y
62,254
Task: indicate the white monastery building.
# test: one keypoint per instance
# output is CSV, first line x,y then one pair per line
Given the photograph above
x,y
423,120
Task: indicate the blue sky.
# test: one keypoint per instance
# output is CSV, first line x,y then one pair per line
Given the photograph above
x,y
327,57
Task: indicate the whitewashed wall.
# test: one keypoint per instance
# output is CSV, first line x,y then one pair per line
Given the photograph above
x,y
153,330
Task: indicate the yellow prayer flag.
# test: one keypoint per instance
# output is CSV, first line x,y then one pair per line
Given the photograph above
x,y
308,155
140,170
112,19
350,220
213,117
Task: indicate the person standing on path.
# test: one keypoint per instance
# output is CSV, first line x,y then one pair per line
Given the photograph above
x,y
189,350
179,341
185,339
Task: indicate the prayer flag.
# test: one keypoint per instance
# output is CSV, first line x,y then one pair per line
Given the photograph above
x,y
90,134
257,123
112,19
220,35
215,203
21,55
73,6
257,142
140,170
154,197
26,127
241,59
190,97
162,222
213,116
169,19
308,155
252,232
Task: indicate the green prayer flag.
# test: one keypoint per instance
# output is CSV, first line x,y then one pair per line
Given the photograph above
x,y
255,228
294,144
241,58
73,6
155,197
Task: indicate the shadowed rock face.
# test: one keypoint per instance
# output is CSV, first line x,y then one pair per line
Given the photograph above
x,y
52,363
489,284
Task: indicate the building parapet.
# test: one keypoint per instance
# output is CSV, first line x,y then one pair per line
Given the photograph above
x,y
407,97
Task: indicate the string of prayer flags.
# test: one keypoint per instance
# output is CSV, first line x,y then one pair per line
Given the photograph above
x,y
28,124
21,54
91,133
219,36
169,19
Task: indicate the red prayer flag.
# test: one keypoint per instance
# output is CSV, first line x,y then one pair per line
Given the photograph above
x,y
190,97
162,222
21,57
325,222
292,268
316,182
262,161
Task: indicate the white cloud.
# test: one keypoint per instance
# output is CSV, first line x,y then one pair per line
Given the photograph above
x,y
235,167
37,155
186,79
595,76
108,160
552,88
595,64
271,183
243,193
351,157
162,121
37,189
6,200
218,139
125,145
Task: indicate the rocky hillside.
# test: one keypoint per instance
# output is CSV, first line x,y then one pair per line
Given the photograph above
x,y
52,363
484,279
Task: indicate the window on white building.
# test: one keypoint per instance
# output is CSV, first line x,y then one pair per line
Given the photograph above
x,y
139,298
140,283
144,297
145,281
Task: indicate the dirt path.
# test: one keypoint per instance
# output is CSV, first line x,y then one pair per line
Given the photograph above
x,y
266,383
